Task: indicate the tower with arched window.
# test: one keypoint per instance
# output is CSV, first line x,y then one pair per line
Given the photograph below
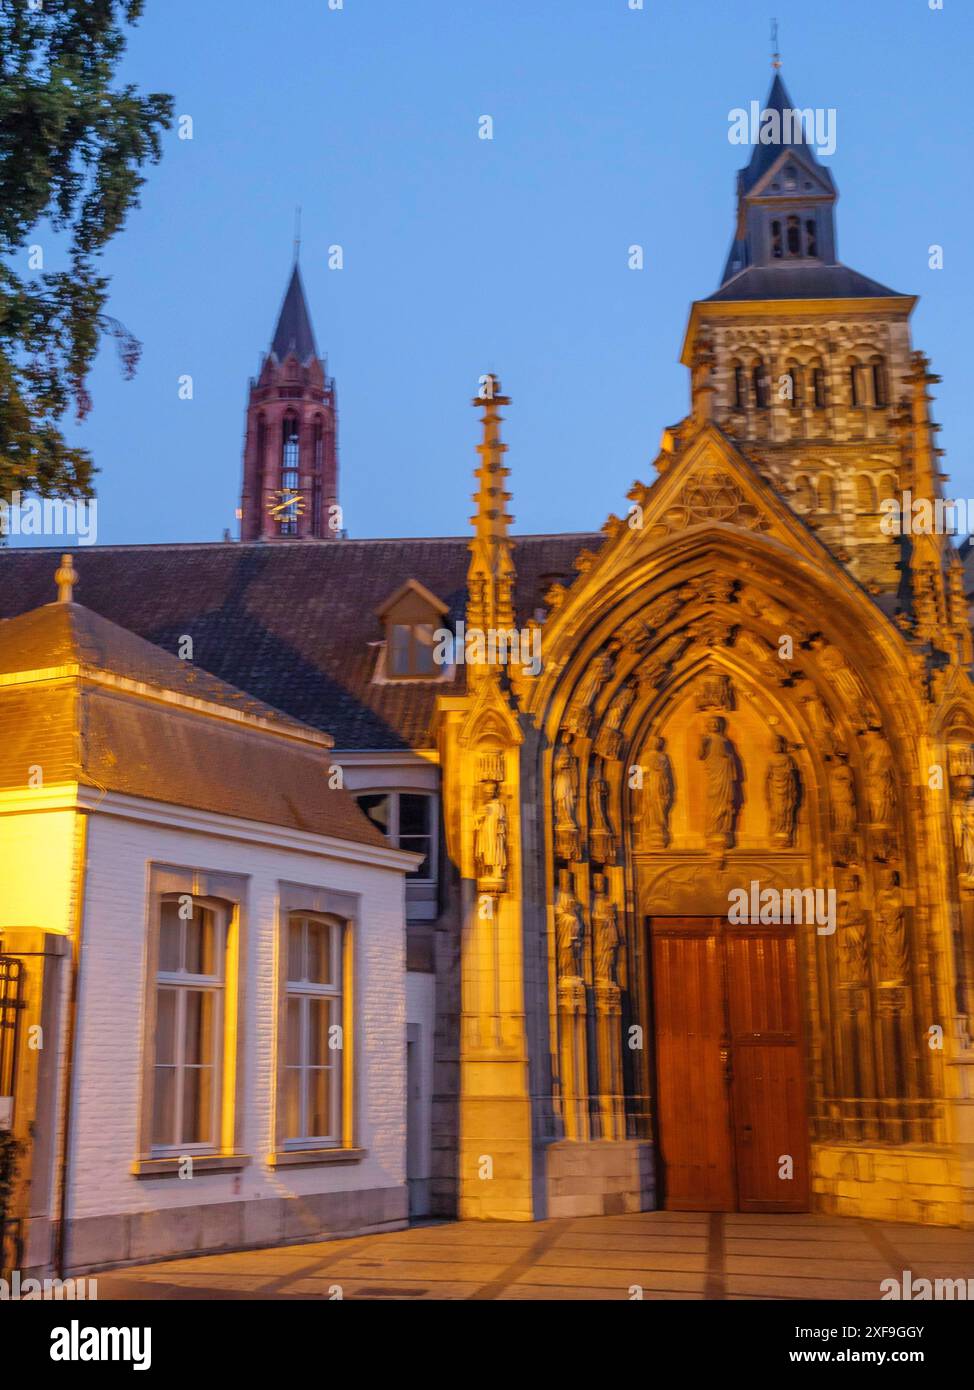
x,y
290,470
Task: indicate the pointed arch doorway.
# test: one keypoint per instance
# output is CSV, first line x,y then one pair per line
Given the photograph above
x,y
731,1111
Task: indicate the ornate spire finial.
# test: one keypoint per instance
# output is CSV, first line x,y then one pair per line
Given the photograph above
x,y
297,234
490,577
65,579
775,55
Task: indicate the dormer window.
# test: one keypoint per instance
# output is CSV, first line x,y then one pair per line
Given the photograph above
x,y
412,619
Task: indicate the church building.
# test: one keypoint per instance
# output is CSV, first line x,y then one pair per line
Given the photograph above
x,y
689,799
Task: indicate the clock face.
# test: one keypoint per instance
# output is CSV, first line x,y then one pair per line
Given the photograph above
x,y
286,503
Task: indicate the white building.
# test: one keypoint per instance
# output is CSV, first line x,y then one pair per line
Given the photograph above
x,y
205,947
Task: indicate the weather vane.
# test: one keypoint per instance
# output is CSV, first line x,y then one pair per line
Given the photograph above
x,y
775,55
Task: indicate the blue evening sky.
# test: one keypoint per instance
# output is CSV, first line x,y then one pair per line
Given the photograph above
x,y
464,256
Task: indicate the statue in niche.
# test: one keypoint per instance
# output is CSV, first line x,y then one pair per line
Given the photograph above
x,y
566,802
715,692
894,956
853,948
782,790
723,771
606,935
609,740
579,714
881,783
842,788
964,835
659,793
490,839
569,930
601,834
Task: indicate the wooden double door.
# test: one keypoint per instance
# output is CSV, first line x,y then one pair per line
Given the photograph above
x,y
730,1082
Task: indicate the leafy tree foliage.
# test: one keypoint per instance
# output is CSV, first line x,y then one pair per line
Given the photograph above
x,y
72,147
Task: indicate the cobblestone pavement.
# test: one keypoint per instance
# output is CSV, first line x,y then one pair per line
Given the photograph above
x,y
666,1254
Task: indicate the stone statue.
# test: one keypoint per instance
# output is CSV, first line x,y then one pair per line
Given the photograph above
x,y
782,790
894,958
609,741
490,838
659,793
569,930
853,948
881,782
566,802
723,770
964,835
580,707
842,788
601,834
606,934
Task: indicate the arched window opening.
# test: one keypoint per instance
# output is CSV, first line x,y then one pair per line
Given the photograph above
x,y
795,374
865,493
826,494
879,383
855,386
776,240
811,238
794,236
290,471
819,387
740,387
316,480
760,376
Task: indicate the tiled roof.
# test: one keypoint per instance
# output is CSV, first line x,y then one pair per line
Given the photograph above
x,y
293,623
80,724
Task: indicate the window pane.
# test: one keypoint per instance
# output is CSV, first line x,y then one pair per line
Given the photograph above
x,y
319,953
414,815
200,943
198,1032
319,1017
292,1103
165,1027
170,928
376,806
295,948
319,1103
399,663
163,1106
293,1055
423,649
197,1105
417,844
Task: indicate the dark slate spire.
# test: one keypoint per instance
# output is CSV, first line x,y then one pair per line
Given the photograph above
x,y
764,156
294,332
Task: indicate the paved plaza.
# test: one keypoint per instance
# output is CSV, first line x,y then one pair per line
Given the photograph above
x,y
665,1255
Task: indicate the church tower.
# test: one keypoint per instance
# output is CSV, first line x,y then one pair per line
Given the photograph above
x,y
806,363
290,472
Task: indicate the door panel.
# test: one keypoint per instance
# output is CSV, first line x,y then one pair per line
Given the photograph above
x,y
694,1116
730,1076
768,1091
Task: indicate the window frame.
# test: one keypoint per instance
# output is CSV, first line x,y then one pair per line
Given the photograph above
x,y
228,893
393,834
305,991
342,910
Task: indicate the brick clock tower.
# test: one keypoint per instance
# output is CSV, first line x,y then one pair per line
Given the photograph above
x,y
290,470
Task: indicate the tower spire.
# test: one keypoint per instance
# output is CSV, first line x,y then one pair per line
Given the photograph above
x,y
490,575
775,55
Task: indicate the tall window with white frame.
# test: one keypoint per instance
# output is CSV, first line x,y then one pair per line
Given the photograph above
x,y
189,1006
314,1031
